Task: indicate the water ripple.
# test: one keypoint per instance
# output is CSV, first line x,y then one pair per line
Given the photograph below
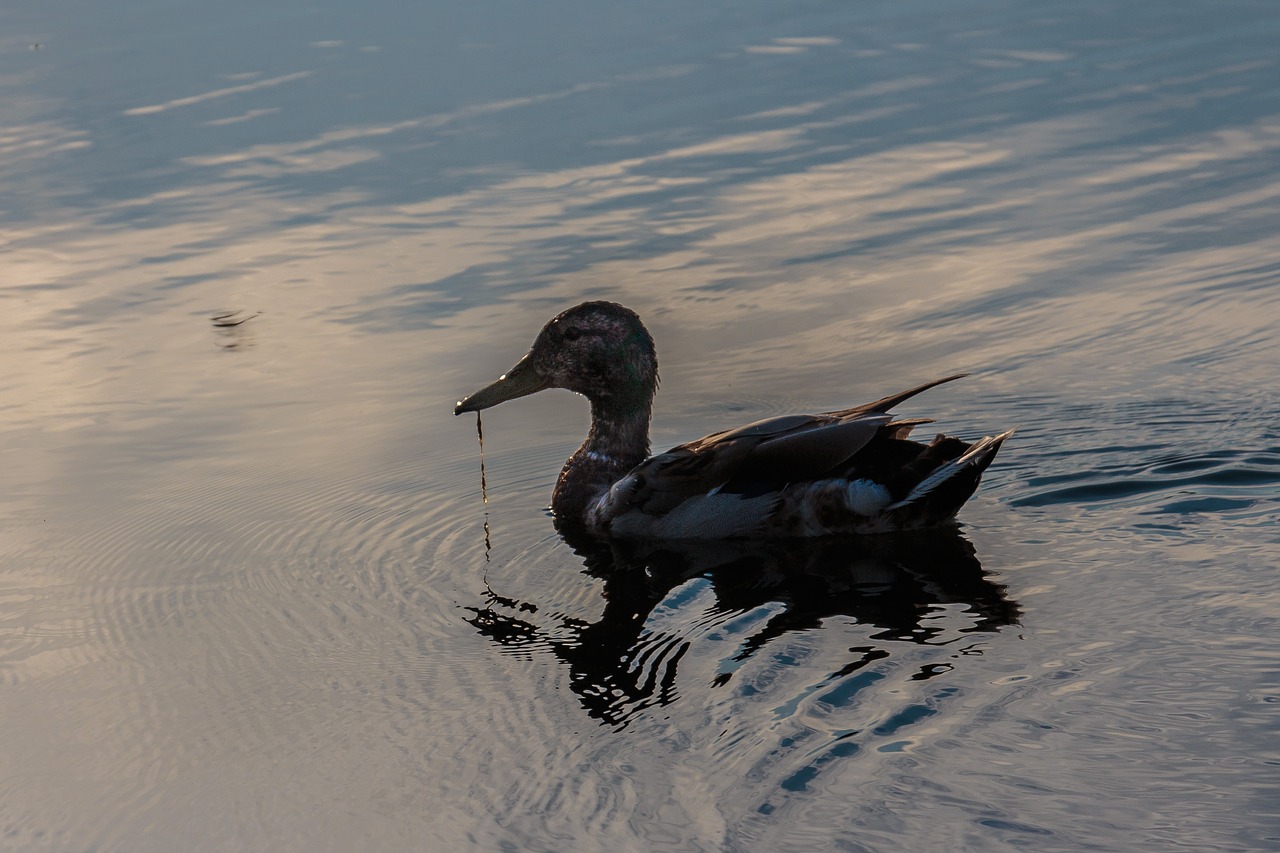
x,y
1169,482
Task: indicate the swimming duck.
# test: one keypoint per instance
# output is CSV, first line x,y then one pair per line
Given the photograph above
x,y
848,471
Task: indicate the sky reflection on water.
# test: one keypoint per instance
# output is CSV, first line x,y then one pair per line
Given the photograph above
x,y
243,565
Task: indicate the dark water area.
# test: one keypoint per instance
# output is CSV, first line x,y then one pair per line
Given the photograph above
x,y
251,597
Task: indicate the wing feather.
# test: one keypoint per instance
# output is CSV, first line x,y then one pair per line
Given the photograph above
x,y
680,490
812,452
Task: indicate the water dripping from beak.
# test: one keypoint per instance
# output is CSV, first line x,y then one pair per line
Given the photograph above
x,y
484,489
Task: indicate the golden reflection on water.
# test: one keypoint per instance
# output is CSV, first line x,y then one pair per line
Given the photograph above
x,y
108,320
816,277
152,109
933,228
947,224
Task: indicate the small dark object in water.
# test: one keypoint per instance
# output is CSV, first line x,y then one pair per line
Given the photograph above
x,y
229,319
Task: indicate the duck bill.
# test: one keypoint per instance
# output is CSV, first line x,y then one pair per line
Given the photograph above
x,y
520,381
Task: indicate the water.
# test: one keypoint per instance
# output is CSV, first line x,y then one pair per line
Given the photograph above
x,y
250,597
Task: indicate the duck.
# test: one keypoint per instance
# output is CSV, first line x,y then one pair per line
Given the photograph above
x,y
847,472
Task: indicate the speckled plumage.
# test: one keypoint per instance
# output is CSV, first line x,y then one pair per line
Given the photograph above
x,y
848,471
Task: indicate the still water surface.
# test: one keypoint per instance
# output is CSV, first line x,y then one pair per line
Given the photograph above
x,y
253,254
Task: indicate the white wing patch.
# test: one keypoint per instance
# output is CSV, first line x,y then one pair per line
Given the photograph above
x,y
866,497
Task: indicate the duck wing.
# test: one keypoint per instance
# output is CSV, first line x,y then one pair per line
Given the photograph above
x,y
791,447
731,481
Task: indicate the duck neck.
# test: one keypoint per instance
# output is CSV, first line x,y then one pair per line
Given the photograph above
x,y
619,434
617,442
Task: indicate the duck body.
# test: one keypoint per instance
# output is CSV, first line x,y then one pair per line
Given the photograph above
x,y
851,471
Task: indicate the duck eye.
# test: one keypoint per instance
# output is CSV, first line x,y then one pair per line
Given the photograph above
x,y
572,333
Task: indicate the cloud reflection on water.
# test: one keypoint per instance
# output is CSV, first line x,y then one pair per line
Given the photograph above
x,y
788,249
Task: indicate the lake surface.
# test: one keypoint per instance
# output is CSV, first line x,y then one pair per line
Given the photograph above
x,y
251,598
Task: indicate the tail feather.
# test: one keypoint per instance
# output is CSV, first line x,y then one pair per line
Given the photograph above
x,y
884,404
969,464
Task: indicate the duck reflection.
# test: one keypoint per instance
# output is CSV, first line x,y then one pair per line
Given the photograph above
x,y
620,663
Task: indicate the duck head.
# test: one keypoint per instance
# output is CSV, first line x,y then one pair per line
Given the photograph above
x,y
598,349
